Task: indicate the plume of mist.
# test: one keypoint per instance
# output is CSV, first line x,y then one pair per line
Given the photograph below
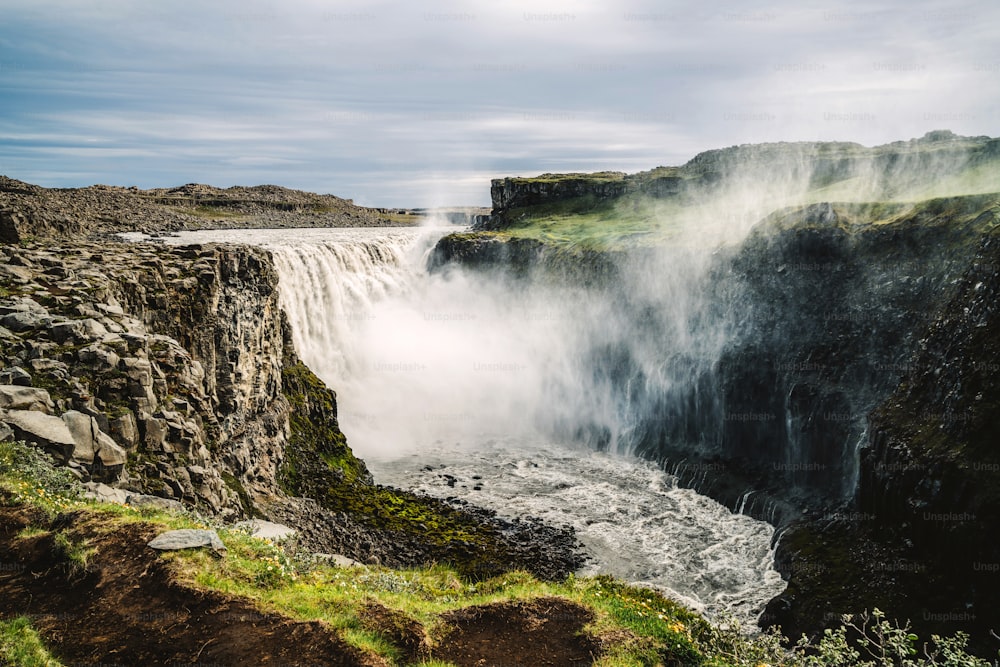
x,y
460,357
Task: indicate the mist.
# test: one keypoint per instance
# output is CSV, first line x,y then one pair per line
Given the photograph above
x,y
461,356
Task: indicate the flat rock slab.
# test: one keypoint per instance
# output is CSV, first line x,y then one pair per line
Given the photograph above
x,y
267,529
187,538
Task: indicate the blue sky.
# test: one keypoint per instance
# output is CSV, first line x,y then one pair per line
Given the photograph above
x,y
420,104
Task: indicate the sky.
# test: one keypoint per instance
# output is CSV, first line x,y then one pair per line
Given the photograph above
x,y
421,104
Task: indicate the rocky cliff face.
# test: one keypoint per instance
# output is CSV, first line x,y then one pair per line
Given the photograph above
x,y
200,397
170,373
902,170
919,539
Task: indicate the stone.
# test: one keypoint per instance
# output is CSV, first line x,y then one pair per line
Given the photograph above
x,y
111,309
92,444
50,367
64,331
51,433
16,376
16,397
267,530
338,560
125,430
104,493
25,321
143,500
100,357
187,538
6,433
23,304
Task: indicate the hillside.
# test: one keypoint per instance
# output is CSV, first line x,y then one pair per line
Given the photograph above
x,y
30,211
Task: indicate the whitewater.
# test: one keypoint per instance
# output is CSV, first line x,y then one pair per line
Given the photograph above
x,y
448,383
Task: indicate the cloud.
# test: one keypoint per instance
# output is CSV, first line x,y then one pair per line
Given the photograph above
x,y
373,100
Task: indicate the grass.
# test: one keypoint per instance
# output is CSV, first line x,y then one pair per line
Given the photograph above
x,y
20,645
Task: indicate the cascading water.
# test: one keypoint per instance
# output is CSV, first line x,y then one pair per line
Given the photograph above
x,y
465,385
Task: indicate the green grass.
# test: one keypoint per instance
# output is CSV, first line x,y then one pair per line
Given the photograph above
x,y
20,645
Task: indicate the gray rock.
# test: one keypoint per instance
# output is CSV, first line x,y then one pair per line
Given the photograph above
x,y
15,397
111,309
105,493
187,538
267,530
99,356
64,331
143,500
23,304
125,430
339,561
6,432
51,433
15,375
92,444
25,321
50,366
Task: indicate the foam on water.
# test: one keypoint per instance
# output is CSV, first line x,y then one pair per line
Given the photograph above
x,y
634,522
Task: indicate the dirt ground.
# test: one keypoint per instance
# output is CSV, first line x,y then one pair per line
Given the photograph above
x,y
127,608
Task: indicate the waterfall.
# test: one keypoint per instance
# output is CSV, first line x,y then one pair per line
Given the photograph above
x,y
470,385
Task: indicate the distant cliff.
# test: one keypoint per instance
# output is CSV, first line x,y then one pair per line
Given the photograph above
x,y
917,169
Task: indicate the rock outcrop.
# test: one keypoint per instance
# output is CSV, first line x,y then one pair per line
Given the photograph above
x,y
891,171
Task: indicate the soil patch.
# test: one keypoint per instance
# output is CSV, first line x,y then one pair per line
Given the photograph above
x,y
126,608
536,633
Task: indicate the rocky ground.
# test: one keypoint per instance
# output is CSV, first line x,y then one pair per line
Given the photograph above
x,y
29,211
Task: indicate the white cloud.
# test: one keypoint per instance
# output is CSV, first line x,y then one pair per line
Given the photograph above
x,y
330,95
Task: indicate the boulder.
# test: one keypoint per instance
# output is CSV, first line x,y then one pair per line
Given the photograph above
x,y
90,442
105,493
25,321
50,433
267,530
6,432
337,560
187,538
142,500
16,397
16,376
